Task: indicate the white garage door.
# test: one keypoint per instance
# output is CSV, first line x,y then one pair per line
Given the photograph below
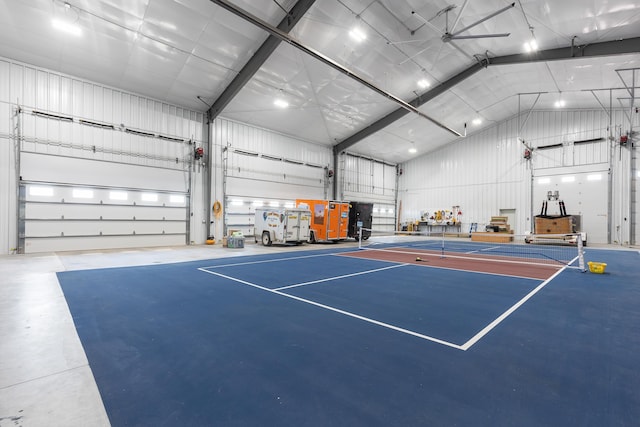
x,y
74,204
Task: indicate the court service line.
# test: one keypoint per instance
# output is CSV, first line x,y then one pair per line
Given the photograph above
x,y
513,308
485,249
339,277
235,264
337,310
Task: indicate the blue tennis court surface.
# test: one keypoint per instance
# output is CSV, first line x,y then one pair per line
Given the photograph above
x,y
313,338
408,298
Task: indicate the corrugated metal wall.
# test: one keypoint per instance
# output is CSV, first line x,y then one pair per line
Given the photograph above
x,y
255,167
66,117
362,179
486,172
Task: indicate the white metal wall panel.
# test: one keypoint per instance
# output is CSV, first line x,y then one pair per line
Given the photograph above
x,y
363,179
70,150
486,172
254,165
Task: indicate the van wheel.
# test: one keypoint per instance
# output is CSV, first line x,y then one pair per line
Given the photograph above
x,y
266,239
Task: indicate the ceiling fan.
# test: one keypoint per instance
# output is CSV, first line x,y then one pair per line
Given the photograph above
x,y
449,35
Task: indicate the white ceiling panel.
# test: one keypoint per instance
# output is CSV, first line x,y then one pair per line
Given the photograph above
x,y
179,50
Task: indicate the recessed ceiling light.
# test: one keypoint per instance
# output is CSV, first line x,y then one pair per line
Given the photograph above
x,y
66,27
531,46
280,103
559,103
477,121
423,83
357,34
413,150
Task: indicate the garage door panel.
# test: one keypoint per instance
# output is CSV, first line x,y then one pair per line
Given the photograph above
x,y
44,228
102,242
104,212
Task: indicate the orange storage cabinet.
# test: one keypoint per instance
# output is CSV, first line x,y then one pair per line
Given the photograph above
x,y
329,219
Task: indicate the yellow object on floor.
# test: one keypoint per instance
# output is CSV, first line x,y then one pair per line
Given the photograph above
x,y
597,267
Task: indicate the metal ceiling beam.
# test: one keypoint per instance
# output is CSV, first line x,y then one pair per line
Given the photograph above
x,y
326,60
399,113
611,48
259,58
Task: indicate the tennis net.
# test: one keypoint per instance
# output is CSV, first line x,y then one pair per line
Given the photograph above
x,y
531,249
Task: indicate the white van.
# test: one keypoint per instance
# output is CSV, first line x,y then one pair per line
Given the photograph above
x,y
282,226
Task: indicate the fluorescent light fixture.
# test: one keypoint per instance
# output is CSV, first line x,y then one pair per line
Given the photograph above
x,y
594,177
390,211
376,210
81,193
559,103
236,202
40,190
544,180
280,103
176,198
423,83
149,197
257,203
289,204
274,204
357,34
66,27
118,195
477,121
568,178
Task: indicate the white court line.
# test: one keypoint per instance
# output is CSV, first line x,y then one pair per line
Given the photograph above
x,y
339,277
337,310
270,260
513,308
480,250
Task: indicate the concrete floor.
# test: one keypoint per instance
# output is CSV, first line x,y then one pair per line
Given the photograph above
x,y
45,378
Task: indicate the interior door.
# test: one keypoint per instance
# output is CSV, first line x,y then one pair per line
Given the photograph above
x,y
293,225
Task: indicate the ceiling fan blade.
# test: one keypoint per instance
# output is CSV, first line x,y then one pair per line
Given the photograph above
x,y
406,42
479,36
491,15
426,21
464,6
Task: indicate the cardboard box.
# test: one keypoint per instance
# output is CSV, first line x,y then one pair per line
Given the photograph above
x,y
554,225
